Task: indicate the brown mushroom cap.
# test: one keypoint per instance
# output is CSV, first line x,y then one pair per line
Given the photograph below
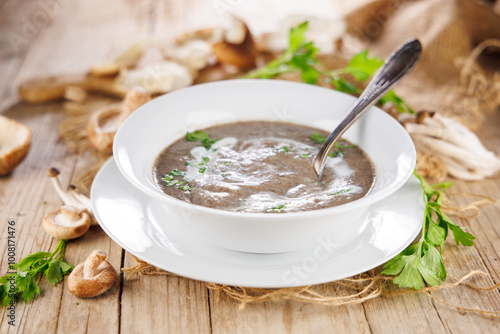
x,y
15,141
238,48
66,223
93,277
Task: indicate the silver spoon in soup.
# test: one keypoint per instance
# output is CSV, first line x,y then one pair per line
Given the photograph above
x,y
399,63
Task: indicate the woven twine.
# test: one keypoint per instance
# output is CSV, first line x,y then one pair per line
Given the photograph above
x,y
448,68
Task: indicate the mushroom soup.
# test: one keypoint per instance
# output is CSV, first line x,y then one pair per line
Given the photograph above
x,y
261,167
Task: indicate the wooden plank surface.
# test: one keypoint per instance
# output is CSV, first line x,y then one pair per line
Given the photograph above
x,y
80,33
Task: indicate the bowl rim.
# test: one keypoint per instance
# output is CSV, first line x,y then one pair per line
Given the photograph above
x,y
359,203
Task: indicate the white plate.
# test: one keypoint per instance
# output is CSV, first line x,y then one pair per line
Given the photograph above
x,y
141,225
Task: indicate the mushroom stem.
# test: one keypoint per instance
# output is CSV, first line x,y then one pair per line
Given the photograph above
x,y
84,200
70,197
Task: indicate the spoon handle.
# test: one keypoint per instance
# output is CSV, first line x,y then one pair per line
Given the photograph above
x,y
395,67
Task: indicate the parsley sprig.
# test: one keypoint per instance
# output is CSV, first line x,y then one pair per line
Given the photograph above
x,y
301,56
23,282
422,263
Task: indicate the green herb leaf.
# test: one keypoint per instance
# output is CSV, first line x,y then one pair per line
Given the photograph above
x,y
197,136
363,67
279,207
300,56
202,137
50,265
343,191
176,172
317,138
54,272
401,105
422,262
171,183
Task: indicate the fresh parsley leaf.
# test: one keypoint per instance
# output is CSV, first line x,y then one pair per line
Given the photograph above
x,y
363,67
185,188
54,272
202,170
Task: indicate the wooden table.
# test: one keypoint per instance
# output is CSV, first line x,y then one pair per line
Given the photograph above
x,y
74,35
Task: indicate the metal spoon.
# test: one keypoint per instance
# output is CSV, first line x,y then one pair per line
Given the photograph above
x,y
395,67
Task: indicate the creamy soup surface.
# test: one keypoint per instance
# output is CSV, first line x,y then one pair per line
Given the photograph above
x,y
261,167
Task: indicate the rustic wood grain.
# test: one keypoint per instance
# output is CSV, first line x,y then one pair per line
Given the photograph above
x,y
82,33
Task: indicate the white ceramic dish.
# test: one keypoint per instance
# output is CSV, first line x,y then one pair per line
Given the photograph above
x,y
162,121
138,223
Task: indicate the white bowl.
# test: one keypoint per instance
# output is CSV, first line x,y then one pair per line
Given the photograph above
x,y
162,121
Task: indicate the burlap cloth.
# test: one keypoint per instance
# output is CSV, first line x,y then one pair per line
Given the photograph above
x,y
447,79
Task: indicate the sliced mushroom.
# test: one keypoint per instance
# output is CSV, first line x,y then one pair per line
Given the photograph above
x,y
194,54
68,222
211,35
15,141
159,78
104,122
237,48
93,277
323,32
126,59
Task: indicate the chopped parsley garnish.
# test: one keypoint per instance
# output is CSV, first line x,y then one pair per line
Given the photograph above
x,y
279,207
202,170
202,137
305,155
343,191
319,139
227,163
171,181
175,172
